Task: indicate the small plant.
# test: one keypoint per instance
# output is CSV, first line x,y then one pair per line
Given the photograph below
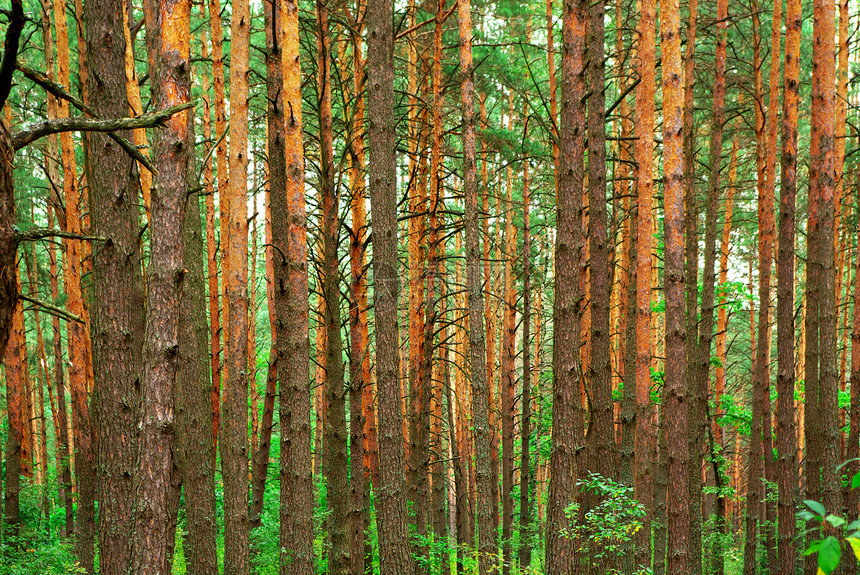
x,y
607,529
833,531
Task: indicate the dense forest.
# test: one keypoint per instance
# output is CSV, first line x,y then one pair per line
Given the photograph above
x,y
430,286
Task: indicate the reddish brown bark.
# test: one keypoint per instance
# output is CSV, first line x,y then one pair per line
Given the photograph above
x,y
395,553
118,311
567,420
289,238
168,45
84,451
644,153
220,99
16,454
676,402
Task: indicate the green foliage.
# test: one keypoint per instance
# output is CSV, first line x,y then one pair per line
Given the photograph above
x,y
827,533
607,529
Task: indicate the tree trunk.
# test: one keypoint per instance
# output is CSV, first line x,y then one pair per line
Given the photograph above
x,y
677,396
169,49
289,239
64,475
643,153
220,98
525,548
395,551
85,464
15,364
118,311
335,462
234,401
567,418
507,353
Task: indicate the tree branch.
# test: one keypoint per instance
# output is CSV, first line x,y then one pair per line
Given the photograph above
x,y
59,92
42,233
51,309
82,124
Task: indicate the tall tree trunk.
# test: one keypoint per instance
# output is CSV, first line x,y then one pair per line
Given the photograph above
x,y
64,474
220,98
362,416
85,459
643,154
168,45
213,293
289,240
699,383
525,548
490,320
15,364
677,396
234,401
395,552
567,418
820,230
601,437
336,464
118,311
474,282
722,516
786,432
507,353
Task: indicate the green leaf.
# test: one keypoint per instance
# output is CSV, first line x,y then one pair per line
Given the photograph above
x,y
835,521
855,480
855,546
815,506
829,554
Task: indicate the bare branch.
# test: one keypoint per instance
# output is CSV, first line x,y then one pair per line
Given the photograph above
x,y
82,124
51,309
42,233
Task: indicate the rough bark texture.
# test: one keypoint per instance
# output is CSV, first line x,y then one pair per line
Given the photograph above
x,y
567,418
820,229
218,376
335,460
234,399
194,449
676,402
118,313
643,154
361,553
601,435
289,237
84,449
395,552
8,244
15,365
474,282
168,45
